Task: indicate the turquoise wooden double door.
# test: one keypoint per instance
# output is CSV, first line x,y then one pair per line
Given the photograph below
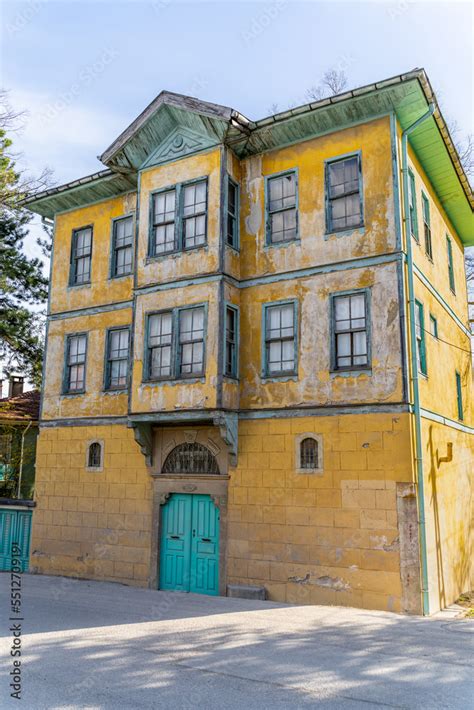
x,y
15,532
189,551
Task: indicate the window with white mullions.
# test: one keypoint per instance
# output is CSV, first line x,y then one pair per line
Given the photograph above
x,y
117,358
160,334
76,363
191,341
164,218
282,212
122,246
232,214
350,331
280,340
230,369
420,337
343,192
427,225
81,256
194,214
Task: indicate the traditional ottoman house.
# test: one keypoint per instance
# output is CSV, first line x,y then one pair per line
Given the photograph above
x,y
258,359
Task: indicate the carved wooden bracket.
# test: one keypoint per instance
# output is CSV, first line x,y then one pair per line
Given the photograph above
x,y
144,437
164,497
228,423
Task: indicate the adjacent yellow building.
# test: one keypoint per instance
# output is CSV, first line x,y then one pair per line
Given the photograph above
x,y
258,365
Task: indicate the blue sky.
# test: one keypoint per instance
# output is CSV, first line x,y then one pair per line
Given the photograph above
x,y
84,70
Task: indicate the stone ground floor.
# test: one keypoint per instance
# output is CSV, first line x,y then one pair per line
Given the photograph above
x,y
343,530
108,646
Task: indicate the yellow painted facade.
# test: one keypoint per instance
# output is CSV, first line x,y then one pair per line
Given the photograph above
x,y
344,534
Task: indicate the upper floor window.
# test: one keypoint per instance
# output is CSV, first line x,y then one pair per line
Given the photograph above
x,y
75,371
350,331
420,337
449,246
179,332
280,339
459,397
426,225
344,193
232,236
231,325
412,205
282,212
122,246
433,326
117,358
179,218
81,253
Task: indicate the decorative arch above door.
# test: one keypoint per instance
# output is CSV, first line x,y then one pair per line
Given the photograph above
x,y
190,458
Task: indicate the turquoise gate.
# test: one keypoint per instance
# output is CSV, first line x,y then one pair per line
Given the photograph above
x,y
189,550
15,533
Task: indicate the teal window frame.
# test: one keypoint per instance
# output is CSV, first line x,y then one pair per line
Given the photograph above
x,y
266,308
434,326
75,258
114,249
66,388
420,338
427,226
269,213
108,360
175,346
232,340
328,200
459,396
232,217
179,221
449,248
366,292
413,215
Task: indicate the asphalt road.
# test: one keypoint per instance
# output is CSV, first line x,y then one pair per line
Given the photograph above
x,y
97,645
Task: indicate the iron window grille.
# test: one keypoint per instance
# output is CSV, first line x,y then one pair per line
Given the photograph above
x,y
427,227
117,358
191,342
232,236
344,194
190,458
280,340
94,458
282,212
230,366
309,454
122,257
351,344
76,350
81,254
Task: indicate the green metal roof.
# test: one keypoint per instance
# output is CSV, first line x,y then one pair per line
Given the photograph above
x,y
408,95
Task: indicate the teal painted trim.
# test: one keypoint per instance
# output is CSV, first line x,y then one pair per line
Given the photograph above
x,y
356,369
412,207
267,376
395,180
107,361
327,163
421,317
94,310
414,366
268,227
234,375
135,283
48,312
440,299
95,202
201,151
182,283
83,421
72,276
324,411
113,249
341,234
65,379
446,421
223,181
459,396
449,247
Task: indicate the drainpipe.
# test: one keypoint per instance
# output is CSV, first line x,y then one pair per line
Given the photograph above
x,y
21,457
414,364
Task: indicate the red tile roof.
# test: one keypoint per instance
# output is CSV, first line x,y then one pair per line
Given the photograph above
x,y
23,406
